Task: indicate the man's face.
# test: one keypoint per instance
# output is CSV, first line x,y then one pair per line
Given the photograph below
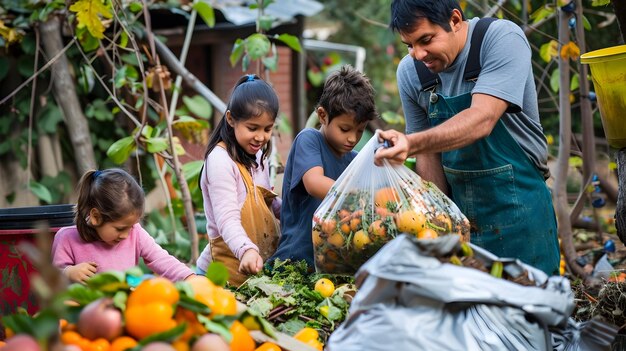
x,y
431,44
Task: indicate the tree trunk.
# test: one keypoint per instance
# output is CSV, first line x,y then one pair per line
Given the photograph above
x,y
619,7
65,94
560,183
620,210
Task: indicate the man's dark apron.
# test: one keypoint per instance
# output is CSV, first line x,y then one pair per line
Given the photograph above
x,y
500,190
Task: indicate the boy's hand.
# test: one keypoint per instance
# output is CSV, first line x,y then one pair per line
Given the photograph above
x,y
251,262
81,272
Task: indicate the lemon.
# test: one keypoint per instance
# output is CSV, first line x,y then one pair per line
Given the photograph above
x,y
360,239
325,287
251,323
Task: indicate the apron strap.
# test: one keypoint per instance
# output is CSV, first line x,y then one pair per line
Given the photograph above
x,y
430,80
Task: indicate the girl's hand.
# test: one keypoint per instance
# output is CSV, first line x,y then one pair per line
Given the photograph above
x,y
81,272
251,262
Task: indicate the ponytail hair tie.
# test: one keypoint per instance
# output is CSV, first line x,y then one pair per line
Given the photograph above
x,y
250,78
96,174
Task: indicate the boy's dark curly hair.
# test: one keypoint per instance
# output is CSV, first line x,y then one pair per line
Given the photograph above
x,y
348,91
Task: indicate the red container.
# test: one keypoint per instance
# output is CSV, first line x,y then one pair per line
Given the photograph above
x,y
16,225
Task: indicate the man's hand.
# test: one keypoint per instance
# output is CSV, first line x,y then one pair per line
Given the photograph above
x,y
397,152
81,272
251,262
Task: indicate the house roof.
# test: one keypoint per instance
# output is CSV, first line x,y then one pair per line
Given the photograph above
x,y
238,12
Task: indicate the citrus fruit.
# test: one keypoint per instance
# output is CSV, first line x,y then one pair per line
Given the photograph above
x,y
325,287
410,222
377,229
268,346
385,195
122,343
305,334
154,290
360,240
242,341
427,233
336,240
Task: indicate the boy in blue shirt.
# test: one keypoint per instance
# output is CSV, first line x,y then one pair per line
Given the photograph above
x,y
318,157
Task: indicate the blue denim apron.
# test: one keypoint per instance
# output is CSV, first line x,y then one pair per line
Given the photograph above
x,y
501,192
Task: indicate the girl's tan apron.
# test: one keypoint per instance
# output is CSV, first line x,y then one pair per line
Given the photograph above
x,y
259,223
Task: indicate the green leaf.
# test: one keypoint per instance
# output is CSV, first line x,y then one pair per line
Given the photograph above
x,y
549,50
270,62
20,323
82,294
257,46
192,169
265,22
215,327
166,336
586,23
291,41
98,109
217,273
316,78
123,39
120,150
574,84
205,11
193,305
119,300
154,145
199,106
238,51
245,62
40,191
600,2
542,13
102,279
555,80
135,6
49,118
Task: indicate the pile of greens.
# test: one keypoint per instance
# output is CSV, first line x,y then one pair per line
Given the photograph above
x,y
284,294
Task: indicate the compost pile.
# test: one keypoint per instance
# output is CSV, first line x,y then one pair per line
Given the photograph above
x,y
291,298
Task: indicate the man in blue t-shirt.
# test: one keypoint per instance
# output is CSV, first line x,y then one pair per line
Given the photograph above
x,y
318,157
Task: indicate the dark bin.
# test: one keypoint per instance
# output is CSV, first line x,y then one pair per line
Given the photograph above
x,y
16,225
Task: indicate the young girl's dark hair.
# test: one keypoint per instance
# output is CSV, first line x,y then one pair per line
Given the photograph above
x,y
251,97
113,192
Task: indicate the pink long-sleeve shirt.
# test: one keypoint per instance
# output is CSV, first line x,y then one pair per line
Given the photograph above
x,y
224,193
69,249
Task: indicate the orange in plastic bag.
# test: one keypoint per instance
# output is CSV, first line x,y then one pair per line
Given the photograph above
x,y
370,205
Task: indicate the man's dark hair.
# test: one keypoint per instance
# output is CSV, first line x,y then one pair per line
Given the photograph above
x,y
348,91
406,14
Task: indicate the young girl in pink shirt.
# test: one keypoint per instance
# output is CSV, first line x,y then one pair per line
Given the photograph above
x,y
107,235
240,208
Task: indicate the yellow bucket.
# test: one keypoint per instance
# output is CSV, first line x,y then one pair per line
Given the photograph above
x,y
608,72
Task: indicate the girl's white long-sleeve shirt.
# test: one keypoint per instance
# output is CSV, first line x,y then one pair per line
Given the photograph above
x,y
224,193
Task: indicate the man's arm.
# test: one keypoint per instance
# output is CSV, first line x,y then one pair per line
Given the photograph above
x,y
464,128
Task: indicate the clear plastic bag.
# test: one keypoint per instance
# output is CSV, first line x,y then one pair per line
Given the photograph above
x,y
370,205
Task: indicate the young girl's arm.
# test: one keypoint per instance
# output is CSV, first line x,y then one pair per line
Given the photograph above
x,y
63,257
158,259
